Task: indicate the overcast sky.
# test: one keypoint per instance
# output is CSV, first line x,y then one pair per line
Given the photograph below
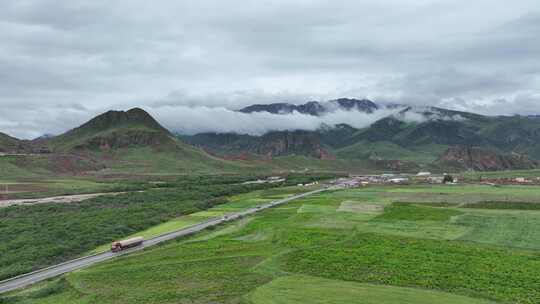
x,y
61,62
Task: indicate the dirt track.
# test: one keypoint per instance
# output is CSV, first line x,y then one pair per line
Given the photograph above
x,y
54,199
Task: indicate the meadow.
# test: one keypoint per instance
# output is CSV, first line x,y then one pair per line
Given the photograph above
x,y
348,246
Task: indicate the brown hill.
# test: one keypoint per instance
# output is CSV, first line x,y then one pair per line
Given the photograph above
x,y
476,158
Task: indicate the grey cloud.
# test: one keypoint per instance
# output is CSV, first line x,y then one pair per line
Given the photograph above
x,y
435,85
30,123
231,99
191,120
104,55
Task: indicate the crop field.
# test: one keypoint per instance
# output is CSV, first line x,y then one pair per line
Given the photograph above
x,y
369,245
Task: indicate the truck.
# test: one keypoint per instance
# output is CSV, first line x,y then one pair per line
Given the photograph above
x,y
125,244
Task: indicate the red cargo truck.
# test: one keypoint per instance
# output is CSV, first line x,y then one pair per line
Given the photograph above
x,y
124,244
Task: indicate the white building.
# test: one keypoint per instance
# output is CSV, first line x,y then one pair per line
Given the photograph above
x,y
401,180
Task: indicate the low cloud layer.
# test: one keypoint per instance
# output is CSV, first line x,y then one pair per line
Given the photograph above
x,y
63,63
192,120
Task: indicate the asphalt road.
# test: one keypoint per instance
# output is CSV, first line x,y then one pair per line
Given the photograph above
x,y
53,271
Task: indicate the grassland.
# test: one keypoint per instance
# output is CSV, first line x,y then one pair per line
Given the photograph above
x,y
9,168
187,160
352,246
293,289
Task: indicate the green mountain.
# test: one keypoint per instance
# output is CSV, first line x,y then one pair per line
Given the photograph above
x,y
272,144
399,142
460,157
112,130
113,143
133,142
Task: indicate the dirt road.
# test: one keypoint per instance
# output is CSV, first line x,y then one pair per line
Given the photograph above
x,y
54,199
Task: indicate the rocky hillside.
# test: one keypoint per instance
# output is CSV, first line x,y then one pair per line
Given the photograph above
x,y
292,143
475,158
115,142
272,144
416,136
114,129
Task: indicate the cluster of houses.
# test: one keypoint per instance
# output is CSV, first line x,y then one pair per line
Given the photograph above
x,y
395,179
364,180
268,180
510,181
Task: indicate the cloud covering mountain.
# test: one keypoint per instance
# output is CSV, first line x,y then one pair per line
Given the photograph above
x,y
191,120
69,63
198,119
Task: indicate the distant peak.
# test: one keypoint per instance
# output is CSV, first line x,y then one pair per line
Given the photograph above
x,y
363,105
115,129
137,111
113,119
314,108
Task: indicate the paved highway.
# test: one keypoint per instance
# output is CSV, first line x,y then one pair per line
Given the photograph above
x,y
53,271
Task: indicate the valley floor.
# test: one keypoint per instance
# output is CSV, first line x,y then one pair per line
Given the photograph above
x,y
399,244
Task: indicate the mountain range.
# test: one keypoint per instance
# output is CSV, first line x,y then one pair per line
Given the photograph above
x,y
315,108
407,139
435,138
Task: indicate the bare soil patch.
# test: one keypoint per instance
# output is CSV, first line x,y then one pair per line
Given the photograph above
x,y
360,207
53,199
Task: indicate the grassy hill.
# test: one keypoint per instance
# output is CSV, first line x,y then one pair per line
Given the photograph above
x,y
131,144
114,129
116,142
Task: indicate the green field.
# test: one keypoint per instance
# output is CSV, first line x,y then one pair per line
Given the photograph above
x,y
297,288
347,246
